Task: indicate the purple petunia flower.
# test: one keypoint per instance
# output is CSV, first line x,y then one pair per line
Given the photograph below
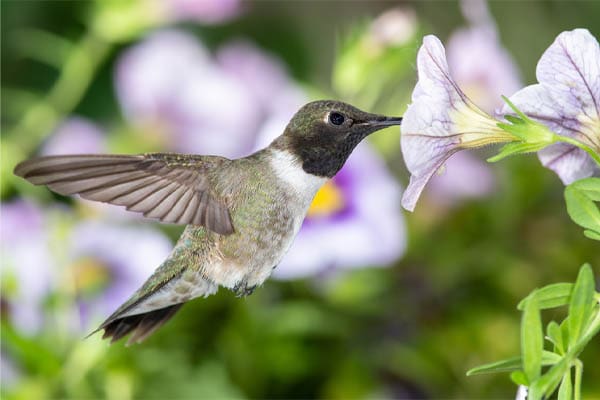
x,y
262,75
201,104
440,121
464,177
204,11
482,68
26,263
10,374
109,262
76,135
105,264
567,100
394,27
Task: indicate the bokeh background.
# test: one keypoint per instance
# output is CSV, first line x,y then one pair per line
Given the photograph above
x,y
371,302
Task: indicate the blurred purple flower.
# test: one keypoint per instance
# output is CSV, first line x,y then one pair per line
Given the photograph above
x,y
27,263
464,177
354,221
203,105
394,27
204,11
440,121
10,375
482,68
567,100
264,76
109,262
476,12
75,135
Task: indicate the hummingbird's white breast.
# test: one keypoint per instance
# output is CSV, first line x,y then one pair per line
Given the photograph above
x,y
288,168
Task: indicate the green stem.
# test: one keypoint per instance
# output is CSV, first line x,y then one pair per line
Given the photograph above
x,y
595,156
577,384
75,77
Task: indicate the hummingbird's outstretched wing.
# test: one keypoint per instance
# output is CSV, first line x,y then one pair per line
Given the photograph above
x,y
170,187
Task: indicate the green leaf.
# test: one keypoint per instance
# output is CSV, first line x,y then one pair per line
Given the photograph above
x,y
547,383
519,378
518,131
589,186
554,295
581,207
565,392
514,120
532,340
515,109
512,364
564,330
555,335
509,364
592,234
582,304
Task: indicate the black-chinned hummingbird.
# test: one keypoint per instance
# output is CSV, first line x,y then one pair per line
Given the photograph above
x,y
241,215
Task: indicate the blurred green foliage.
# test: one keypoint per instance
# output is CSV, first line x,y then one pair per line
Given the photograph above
x,y
409,331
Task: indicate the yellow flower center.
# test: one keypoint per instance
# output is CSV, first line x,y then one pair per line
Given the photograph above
x,y
590,129
476,128
90,276
328,200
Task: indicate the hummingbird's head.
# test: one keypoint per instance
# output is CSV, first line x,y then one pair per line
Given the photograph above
x,y
323,134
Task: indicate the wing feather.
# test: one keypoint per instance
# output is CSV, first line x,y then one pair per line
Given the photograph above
x,y
181,199
170,187
190,210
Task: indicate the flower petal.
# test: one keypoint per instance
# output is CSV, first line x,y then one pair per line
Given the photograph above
x,y
569,162
567,100
440,121
425,140
570,69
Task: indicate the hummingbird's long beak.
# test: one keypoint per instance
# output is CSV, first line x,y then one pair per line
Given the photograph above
x,y
375,122
381,121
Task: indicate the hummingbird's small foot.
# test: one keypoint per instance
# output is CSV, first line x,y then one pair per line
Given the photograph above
x,y
242,289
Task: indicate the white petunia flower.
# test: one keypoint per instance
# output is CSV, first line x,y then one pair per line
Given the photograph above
x,y
567,100
440,121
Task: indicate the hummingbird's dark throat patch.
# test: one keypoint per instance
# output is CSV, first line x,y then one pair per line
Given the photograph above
x,y
324,155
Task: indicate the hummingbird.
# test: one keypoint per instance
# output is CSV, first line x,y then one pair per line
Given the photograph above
x,y
241,215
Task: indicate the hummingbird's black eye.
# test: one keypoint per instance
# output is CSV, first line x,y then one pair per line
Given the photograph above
x,y
336,118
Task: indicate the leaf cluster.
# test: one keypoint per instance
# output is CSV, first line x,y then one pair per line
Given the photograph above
x,y
547,365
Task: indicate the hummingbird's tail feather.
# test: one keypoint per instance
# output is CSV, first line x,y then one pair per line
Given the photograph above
x,y
140,325
176,281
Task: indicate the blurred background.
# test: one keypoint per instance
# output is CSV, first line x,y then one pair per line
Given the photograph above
x,y
371,301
